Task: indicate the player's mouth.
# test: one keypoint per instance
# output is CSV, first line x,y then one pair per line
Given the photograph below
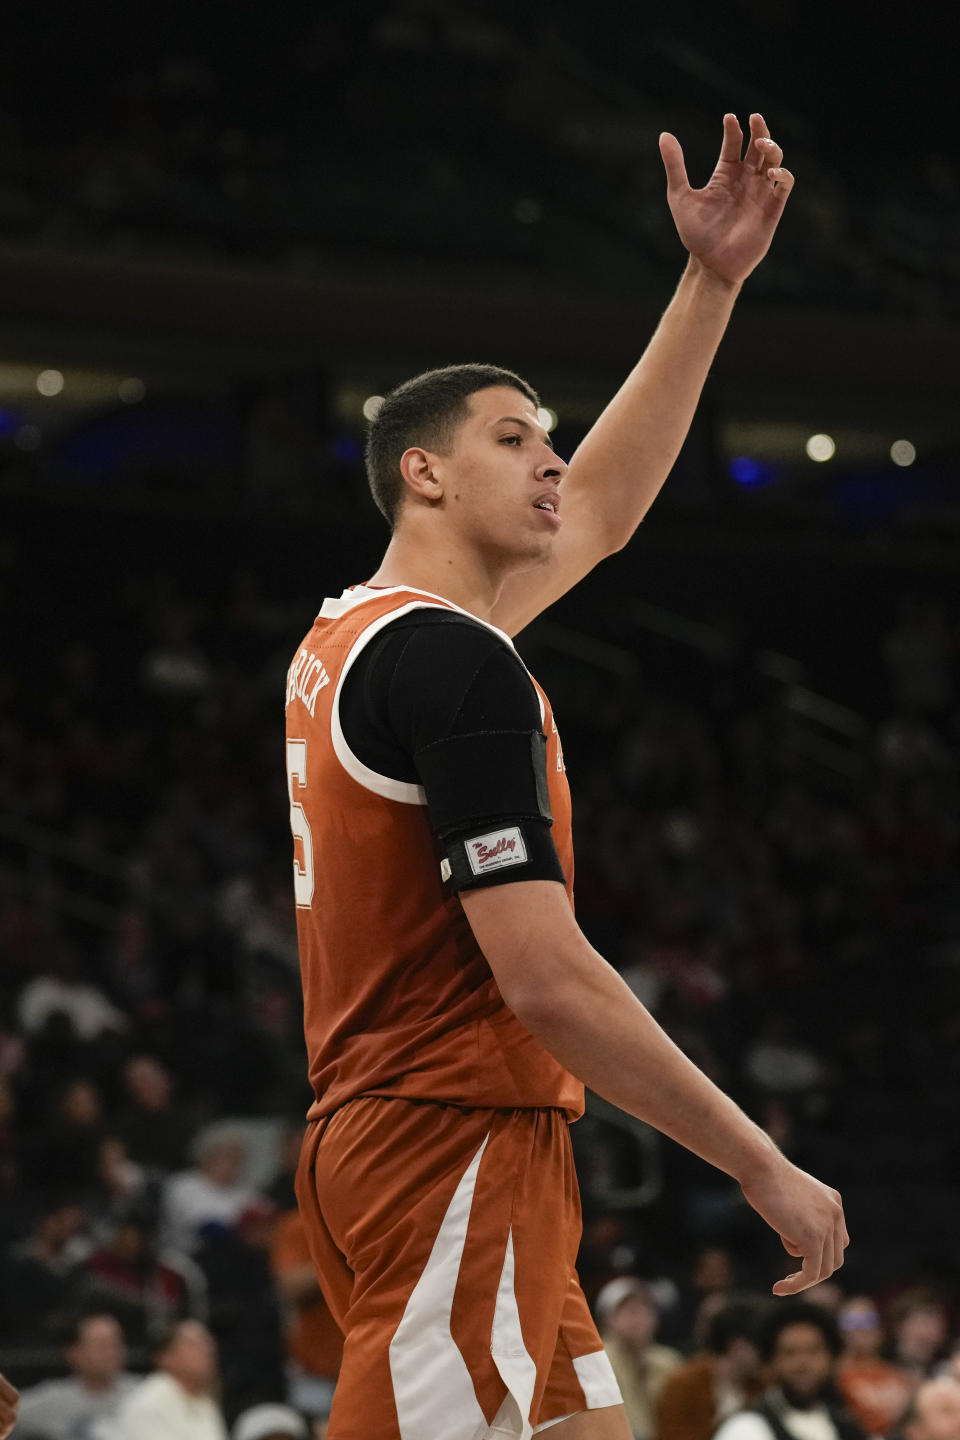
x,y
549,505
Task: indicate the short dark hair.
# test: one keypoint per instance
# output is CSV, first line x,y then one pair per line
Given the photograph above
x,y
800,1312
740,1319
426,410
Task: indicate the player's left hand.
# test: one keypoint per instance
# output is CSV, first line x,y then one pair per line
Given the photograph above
x,y
728,225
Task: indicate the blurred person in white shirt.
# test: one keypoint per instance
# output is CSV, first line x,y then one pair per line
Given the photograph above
x,y
177,1402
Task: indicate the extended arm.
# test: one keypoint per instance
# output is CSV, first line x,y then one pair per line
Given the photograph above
x,y
576,1005
619,468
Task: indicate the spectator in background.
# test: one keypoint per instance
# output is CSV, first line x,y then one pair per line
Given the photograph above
x,y
9,1401
711,1280
934,1412
244,1307
66,1152
920,1329
61,990
314,1343
177,1401
72,1408
40,1276
150,1291
800,1345
154,1130
874,1390
627,1316
211,1193
270,1422
10,1144
120,1182
702,1392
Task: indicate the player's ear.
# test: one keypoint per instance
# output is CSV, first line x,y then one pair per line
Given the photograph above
x,y
416,466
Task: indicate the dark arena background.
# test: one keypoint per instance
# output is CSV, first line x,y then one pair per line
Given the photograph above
x,y
224,234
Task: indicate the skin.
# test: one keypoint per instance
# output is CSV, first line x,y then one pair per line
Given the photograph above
x,y
802,1361
863,1339
935,1411
98,1355
191,1358
9,1401
470,531
619,468
634,1323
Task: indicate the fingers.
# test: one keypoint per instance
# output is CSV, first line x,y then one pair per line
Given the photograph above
x,y
755,148
732,146
781,183
823,1259
672,157
810,1273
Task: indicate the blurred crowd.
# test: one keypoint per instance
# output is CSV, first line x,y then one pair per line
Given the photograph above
x,y
270,144
792,920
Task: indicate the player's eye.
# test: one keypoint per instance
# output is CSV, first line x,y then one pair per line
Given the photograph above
x,y
511,439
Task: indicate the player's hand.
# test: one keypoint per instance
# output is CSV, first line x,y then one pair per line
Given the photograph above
x,y
808,1217
9,1400
728,225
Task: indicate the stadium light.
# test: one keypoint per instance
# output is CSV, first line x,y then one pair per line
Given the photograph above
x,y
821,447
902,452
50,382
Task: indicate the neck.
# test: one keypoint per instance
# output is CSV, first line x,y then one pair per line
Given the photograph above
x,y
458,573
192,1387
97,1385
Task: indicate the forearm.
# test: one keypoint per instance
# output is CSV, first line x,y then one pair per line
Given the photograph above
x,y
595,1026
578,1007
629,452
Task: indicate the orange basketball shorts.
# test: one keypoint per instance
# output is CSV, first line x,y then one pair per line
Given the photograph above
x,y
445,1242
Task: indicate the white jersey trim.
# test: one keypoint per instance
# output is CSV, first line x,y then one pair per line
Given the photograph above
x,y
404,791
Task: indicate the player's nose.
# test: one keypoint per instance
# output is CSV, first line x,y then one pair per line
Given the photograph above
x,y
551,467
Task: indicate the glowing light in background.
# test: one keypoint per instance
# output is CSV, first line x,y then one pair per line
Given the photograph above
x,y
902,452
50,382
371,407
746,471
547,417
821,447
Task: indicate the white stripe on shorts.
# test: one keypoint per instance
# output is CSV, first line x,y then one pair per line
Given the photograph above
x,y
432,1388
597,1380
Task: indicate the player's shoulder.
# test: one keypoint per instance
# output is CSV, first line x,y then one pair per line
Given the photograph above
x,y
447,640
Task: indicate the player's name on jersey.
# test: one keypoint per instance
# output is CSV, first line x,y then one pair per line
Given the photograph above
x,y
305,679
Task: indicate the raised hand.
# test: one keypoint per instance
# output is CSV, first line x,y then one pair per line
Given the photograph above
x,y
728,225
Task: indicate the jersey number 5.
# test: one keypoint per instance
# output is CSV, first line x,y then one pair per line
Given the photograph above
x,y
300,825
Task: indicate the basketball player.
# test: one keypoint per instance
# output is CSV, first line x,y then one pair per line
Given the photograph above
x,y
453,1008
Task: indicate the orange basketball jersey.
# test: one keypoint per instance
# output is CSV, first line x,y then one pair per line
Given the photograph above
x,y
398,999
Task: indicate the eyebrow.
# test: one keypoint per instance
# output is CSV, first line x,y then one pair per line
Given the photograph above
x,y
524,425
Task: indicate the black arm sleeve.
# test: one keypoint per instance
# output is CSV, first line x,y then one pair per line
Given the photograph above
x,y
439,700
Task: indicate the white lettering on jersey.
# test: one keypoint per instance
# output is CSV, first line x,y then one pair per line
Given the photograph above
x,y
496,850
306,671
